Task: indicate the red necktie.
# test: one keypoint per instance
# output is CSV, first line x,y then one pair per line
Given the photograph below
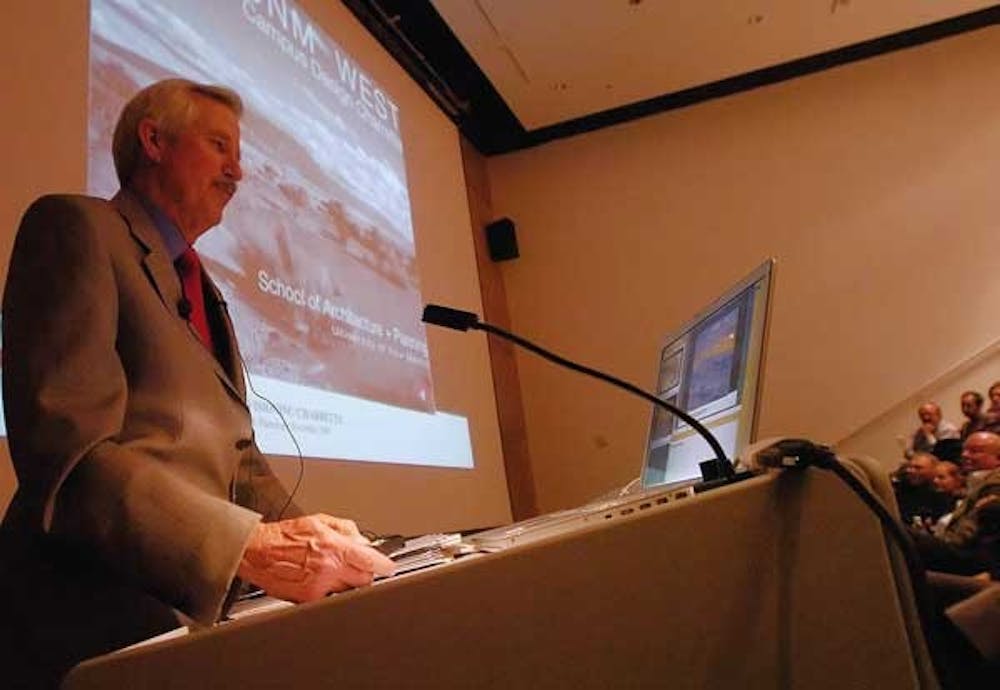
x,y
189,268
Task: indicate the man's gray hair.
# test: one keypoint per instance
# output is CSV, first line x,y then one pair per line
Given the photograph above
x,y
170,105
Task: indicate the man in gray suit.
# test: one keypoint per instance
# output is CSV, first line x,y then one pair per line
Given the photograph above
x,y
142,497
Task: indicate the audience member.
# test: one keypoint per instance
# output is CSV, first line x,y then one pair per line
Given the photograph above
x,y
950,482
919,502
972,409
994,395
960,546
991,418
931,430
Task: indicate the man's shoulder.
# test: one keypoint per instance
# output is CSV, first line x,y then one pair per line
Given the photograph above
x,y
66,207
986,485
82,213
71,201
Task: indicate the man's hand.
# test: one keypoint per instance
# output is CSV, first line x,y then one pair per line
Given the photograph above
x,y
306,558
987,500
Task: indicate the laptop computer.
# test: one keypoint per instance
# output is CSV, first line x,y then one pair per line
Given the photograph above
x,y
711,368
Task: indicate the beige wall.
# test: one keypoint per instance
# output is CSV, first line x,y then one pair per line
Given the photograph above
x,y
874,185
43,124
885,435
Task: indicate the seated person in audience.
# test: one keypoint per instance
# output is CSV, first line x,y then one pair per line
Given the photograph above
x,y
948,481
968,630
993,393
931,430
972,409
991,418
919,502
965,546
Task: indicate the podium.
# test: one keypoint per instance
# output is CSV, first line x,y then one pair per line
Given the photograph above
x,y
780,581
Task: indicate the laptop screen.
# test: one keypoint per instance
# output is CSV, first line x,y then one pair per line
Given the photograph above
x,y
711,369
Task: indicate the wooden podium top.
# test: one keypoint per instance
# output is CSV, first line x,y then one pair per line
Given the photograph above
x,y
782,581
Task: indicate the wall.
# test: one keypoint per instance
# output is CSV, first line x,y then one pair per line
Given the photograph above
x,y
874,187
885,435
44,125
503,360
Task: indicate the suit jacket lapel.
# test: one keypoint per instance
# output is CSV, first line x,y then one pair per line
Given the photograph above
x,y
156,263
163,277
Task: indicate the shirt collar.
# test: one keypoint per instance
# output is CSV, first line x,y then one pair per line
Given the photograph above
x,y
168,230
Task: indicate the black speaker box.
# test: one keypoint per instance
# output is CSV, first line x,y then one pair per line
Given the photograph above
x,y
501,240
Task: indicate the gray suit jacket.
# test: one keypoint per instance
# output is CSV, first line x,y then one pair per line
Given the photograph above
x,y
132,444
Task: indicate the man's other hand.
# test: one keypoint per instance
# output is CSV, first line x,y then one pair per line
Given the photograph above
x,y
306,558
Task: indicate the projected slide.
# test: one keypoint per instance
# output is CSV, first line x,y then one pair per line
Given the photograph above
x,y
316,254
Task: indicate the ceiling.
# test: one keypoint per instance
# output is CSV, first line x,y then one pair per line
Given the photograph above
x,y
514,73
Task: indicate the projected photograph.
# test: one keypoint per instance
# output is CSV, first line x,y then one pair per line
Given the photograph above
x,y
316,254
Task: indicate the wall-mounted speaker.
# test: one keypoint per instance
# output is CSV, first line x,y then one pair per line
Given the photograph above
x,y
501,240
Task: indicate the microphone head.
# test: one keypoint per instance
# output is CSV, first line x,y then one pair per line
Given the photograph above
x,y
449,318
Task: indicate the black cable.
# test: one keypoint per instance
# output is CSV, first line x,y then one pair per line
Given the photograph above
x,y
725,466
298,449
459,320
234,346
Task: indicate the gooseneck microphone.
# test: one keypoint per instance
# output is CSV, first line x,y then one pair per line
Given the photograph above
x,y
451,318
458,320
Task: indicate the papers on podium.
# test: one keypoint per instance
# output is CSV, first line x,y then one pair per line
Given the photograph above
x,y
428,550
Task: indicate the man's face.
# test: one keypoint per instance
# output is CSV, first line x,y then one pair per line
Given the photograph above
x,y
981,451
920,470
199,167
995,396
947,479
929,414
970,408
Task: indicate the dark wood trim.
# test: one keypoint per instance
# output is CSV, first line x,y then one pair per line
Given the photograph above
x,y
506,382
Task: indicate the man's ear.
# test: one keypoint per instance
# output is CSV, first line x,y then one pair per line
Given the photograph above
x,y
152,140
